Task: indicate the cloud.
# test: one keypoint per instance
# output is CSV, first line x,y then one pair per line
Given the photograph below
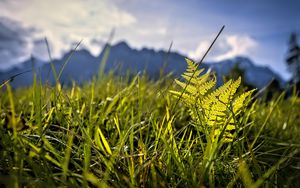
x,y
68,21
226,48
143,23
239,45
14,43
200,50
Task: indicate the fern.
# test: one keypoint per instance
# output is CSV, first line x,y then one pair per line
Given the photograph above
x,y
215,110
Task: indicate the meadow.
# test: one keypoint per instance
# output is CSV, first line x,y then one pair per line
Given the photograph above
x,y
131,131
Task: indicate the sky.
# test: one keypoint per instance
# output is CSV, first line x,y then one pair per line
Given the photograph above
x,y
256,29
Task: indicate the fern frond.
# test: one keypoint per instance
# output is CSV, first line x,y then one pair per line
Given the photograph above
x,y
189,88
184,96
239,102
213,96
227,95
196,85
191,66
215,108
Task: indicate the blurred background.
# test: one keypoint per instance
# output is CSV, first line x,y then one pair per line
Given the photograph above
x,y
260,38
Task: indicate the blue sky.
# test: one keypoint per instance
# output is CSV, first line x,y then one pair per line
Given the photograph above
x,y
256,29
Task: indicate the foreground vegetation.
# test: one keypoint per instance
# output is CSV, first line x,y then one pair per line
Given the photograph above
x,y
134,132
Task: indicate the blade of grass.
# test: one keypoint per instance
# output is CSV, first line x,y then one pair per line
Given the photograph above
x,y
66,161
106,52
67,60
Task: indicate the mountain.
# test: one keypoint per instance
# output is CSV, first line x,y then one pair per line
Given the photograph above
x,y
24,69
257,76
82,66
123,58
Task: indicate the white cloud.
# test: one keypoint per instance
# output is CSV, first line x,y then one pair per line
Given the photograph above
x,y
200,50
65,22
239,45
226,47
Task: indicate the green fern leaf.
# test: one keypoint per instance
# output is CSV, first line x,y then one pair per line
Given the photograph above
x,y
239,102
215,108
189,88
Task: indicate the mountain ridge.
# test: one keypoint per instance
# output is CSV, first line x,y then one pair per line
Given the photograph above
x,y
83,66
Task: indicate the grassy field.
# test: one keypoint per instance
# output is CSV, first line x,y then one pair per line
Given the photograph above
x,y
133,132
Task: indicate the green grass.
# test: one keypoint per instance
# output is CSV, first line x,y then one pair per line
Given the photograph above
x,y
132,132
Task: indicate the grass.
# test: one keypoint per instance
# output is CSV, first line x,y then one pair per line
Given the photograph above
x,y
125,132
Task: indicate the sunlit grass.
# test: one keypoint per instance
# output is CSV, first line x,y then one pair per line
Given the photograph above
x,y
125,132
